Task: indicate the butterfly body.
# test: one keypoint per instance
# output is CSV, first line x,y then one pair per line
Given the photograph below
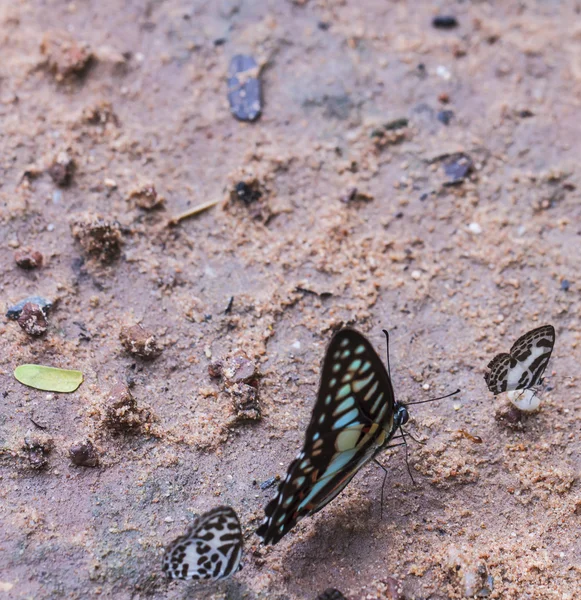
x,y
354,417
210,550
524,366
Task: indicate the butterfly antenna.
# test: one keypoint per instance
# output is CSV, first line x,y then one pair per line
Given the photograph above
x,y
382,485
433,399
387,349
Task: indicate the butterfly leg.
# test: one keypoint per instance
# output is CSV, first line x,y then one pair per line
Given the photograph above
x,y
407,462
415,439
382,485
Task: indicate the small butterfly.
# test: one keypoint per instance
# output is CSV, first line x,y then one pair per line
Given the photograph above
x,y
354,417
210,550
524,366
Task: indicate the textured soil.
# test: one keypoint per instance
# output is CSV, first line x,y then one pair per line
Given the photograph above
x,y
358,223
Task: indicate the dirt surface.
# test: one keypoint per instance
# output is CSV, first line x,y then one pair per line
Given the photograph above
x,y
362,213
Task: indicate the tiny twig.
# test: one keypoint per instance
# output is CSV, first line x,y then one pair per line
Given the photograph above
x,y
193,212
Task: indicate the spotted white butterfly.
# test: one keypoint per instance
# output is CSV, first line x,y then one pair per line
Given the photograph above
x,y
354,417
524,366
210,550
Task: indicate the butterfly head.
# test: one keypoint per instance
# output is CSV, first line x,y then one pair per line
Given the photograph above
x,y
401,415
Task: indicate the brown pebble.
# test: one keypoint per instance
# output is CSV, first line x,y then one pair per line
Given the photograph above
x,y
215,369
139,341
245,403
444,98
240,370
509,416
121,410
62,169
33,320
98,237
146,197
28,259
84,454
65,56
37,448
393,589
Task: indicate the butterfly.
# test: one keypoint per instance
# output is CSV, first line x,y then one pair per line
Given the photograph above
x,y
210,550
354,417
524,366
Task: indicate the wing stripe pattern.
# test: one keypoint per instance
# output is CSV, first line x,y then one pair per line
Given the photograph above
x,y
523,368
210,550
351,420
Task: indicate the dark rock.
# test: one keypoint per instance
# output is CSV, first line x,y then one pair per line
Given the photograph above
x,y
245,403
244,88
14,311
62,169
84,454
525,114
139,341
354,196
323,25
37,448
98,237
331,594
445,116
33,320
444,22
457,167
565,285
248,192
28,259
121,410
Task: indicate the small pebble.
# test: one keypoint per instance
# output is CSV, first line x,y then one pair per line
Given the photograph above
x,y
445,116
444,22
28,259
565,285
33,320
38,448
244,88
269,482
509,416
139,341
215,369
121,410
62,169
84,454
245,403
247,192
416,275
146,197
457,167
14,311
97,236
65,56
443,72
475,228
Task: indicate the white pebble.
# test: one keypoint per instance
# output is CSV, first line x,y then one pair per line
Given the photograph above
x,y
168,519
416,275
443,72
475,228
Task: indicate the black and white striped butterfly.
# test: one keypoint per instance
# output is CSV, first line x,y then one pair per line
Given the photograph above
x,y
354,417
210,550
524,366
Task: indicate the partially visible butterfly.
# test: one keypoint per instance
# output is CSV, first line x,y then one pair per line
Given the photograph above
x,y
524,366
354,417
210,550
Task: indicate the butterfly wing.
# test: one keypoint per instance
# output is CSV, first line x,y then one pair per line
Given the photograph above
x,y
210,550
526,363
352,418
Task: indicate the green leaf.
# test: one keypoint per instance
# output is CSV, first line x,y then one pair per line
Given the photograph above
x,y
48,378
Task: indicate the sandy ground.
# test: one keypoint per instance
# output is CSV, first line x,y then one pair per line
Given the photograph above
x,y
456,273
